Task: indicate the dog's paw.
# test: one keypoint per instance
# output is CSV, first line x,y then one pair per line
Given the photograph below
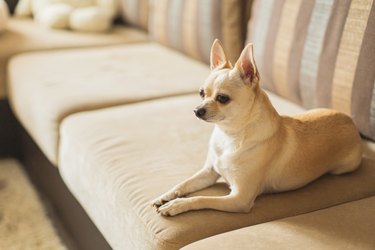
x,y
166,198
173,207
158,202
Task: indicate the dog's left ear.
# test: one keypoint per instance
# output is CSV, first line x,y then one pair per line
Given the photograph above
x,y
246,65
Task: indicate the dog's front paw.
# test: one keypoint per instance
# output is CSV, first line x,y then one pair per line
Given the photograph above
x,y
174,207
166,197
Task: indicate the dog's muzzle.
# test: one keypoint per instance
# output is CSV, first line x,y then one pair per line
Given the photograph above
x,y
200,112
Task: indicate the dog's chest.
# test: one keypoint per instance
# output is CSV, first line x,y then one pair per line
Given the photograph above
x,y
223,154
221,161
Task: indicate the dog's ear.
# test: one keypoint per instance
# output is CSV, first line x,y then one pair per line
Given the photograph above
x,y
246,65
218,58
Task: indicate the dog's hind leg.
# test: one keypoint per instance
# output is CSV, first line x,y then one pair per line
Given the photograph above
x,y
349,163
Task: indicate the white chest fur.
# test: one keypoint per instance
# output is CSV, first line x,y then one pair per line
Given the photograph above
x,y
233,157
223,151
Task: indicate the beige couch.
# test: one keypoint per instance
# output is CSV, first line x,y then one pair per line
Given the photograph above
x,y
113,113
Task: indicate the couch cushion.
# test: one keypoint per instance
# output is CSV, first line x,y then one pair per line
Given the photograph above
x,y
24,35
192,26
45,87
116,160
135,12
369,148
349,226
319,54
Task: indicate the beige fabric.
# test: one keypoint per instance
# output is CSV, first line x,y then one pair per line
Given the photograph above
x,y
22,35
348,226
283,106
192,26
116,160
319,54
53,85
4,15
369,148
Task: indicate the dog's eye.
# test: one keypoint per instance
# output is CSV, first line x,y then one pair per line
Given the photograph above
x,y
222,99
201,93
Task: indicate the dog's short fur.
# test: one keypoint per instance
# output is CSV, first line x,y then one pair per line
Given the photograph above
x,y
255,149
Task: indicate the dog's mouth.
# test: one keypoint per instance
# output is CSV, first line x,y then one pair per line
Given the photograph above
x,y
203,118
206,119
210,118
204,114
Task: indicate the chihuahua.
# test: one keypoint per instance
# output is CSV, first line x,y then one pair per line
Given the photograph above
x,y
253,148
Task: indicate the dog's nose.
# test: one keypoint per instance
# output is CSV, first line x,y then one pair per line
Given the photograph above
x,y
200,112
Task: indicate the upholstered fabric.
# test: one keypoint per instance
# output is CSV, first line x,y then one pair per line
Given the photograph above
x,y
191,26
135,12
24,35
116,160
12,5
350,226
56,84
319,54
4,15
368,148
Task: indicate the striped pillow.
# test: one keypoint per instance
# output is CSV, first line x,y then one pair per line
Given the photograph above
x,y
135,12
319,54
191,26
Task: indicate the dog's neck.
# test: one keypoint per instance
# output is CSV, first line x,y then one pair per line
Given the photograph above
x,y
261,122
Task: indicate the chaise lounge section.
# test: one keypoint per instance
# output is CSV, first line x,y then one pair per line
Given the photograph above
x,y
108,119
131,165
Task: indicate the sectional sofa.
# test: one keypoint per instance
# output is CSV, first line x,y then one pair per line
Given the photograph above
x,y
103,122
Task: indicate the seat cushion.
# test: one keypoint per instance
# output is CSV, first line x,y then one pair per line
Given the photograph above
x,y
116,160
349,226
53,85
22,35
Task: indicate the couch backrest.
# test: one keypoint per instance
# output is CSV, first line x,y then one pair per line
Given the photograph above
x,y
318,54
135,12
191,26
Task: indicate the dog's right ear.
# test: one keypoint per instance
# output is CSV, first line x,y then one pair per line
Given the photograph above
x,y
218,58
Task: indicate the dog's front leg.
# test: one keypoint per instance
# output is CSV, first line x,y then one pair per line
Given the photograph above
x,y
202,179
244,190
234,202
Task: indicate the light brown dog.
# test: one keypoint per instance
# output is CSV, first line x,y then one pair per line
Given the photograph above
x,y
255,149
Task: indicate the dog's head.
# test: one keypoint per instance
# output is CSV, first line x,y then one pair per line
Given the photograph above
x,y
228,92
